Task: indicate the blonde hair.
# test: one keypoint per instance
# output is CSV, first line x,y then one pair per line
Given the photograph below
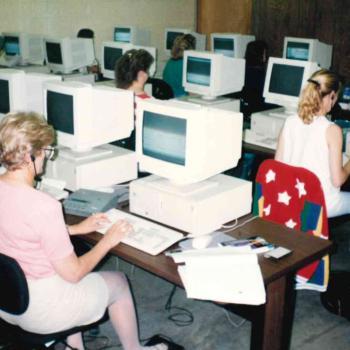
x,y
319,85
21,133
182,43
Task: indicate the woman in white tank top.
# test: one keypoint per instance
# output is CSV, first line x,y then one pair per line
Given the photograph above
x,y
311,141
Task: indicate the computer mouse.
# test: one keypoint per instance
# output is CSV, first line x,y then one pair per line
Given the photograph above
x,y
201,242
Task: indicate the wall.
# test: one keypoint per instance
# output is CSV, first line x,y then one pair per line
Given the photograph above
x,y
66,17
326,20
220,16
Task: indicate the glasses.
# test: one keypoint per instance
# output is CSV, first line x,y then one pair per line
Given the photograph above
x,y
50,153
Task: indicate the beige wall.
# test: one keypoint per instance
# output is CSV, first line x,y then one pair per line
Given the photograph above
x,y
66,17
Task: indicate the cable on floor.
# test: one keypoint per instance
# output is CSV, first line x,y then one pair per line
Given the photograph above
x,y
180,316
230,320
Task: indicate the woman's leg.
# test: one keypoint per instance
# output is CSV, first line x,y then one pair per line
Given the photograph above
x,y
121,309
75,341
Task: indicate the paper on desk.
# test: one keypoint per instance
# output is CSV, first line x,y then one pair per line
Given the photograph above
x,y
222,276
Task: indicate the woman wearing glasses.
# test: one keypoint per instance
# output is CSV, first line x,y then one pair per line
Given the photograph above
x,y
311,141
63,292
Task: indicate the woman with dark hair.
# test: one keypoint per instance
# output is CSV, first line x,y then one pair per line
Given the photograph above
x,y
310,140
256,57
132,71
172,73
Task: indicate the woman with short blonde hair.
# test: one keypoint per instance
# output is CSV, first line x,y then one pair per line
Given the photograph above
x,y
63,292
310,140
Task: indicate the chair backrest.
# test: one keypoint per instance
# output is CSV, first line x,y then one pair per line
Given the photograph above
x,y
161,90
86,33
293,196
14,295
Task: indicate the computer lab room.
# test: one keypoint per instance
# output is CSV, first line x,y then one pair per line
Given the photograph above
x,y
174,174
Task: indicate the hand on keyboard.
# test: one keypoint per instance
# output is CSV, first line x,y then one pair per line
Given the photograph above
x,y
117,232
90,224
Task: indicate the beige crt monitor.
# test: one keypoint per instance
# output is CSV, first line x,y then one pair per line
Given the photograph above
x,y
186,147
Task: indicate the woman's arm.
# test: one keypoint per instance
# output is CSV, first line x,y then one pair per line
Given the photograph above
x,y
90,224
280,147
339,173
73,268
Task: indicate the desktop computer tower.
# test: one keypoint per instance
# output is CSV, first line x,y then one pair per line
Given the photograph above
x,y
198,209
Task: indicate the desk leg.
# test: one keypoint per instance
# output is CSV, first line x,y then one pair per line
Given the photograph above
x,y
272,324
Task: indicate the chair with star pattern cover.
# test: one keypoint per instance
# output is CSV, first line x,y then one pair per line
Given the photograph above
x,y
293,196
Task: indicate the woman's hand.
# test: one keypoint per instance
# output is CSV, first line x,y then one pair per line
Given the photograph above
x,y
90,224
117,232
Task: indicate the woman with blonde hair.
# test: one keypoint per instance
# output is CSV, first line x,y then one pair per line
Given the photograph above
x,y
312,141
172,73
63,292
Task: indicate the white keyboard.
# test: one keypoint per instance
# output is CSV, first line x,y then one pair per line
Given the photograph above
x,y
147,236
259,140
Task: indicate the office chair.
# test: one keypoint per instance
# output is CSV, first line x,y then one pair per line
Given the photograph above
x,y
14,299
161,90
293,196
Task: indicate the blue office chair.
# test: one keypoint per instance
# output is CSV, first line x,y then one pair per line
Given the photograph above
x,y
14,299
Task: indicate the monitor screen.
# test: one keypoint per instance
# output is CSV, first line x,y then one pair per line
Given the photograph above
x,y
12,46
298,50
4,96
226,46
111,56
122,34
170,37
54,52
286,79
60,112
156,129
198,70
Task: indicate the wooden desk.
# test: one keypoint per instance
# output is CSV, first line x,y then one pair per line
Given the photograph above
x,y
272,322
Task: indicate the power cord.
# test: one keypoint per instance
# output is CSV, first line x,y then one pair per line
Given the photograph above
x,y
181,317
235,226
230,320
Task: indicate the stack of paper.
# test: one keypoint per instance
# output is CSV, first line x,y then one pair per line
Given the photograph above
x,y
222,275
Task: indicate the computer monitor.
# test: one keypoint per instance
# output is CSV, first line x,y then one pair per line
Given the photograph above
x,y
12,91
305,49
20,91
86,116
68,54
23,48
111,52
210,74
230,44
186,143
132,35
172,33
285,79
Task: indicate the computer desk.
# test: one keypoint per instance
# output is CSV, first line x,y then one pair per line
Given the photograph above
x,y
272,322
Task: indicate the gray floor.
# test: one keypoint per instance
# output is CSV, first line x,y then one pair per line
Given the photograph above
x,y
314,327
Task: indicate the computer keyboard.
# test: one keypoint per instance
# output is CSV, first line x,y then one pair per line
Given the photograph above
x,y
147,236
259,140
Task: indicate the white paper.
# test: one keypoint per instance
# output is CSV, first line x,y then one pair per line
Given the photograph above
x,y
226,277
